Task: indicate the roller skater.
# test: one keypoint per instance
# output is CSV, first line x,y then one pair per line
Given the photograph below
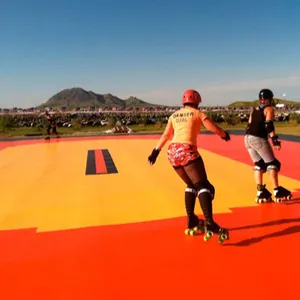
x,y
51,125
184,126
260,126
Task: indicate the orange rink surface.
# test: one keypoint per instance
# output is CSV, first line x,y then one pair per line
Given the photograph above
x,y
66,234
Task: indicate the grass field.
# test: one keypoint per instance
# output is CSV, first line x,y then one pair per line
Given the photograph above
x,y
281,128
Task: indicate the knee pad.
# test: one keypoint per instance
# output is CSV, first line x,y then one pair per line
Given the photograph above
x,y
274,165
260,166
190,190
205,187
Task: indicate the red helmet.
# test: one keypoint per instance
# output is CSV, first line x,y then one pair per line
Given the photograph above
x,y
192,97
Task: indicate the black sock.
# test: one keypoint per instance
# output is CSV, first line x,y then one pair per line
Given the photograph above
x,y
190,200
206,206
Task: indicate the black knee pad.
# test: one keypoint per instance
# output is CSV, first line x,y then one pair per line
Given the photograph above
x,y
274,165
205,187
260,166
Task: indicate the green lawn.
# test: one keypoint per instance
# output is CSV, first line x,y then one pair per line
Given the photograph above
x,y
281,128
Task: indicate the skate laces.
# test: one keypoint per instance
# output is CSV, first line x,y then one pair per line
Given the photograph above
x,y
261,187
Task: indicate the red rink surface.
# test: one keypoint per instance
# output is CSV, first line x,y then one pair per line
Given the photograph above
x,y
155,259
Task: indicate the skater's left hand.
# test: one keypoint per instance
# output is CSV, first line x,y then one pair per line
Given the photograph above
x,y
153,156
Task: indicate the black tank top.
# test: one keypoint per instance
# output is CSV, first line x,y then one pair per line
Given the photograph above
x,y
257,127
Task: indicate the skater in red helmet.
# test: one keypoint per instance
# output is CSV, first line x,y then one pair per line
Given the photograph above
x,y
261,126
183,127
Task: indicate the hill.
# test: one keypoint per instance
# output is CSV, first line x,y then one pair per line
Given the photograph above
x,y
135,102
80,98
255,102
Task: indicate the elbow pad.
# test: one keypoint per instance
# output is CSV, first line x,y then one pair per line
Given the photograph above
x,y
269,126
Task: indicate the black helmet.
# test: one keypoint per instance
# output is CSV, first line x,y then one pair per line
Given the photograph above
x,y
265,94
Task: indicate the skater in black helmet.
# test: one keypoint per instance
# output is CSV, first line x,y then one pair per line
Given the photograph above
x,y
260,127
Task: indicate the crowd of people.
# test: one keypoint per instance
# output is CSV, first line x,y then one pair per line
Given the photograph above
x,y
133,117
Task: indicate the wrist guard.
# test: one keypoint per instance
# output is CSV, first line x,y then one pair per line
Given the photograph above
x,y
275,140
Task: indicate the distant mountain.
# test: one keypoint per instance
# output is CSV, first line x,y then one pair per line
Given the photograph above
x,y
135,102
80,98
255,102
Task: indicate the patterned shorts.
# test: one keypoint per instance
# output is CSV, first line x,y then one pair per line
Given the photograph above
x,y
180,155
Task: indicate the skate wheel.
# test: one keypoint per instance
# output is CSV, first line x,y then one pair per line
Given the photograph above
x,y
278,200
208,235
190,232
268,200
193,232
289,197
222,238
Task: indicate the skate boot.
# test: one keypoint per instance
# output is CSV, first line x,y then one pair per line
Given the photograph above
x,y
58,137
214,228
263,195
47,138
195,226
281,194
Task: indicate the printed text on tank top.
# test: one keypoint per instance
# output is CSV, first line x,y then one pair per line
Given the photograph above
x,y
184,125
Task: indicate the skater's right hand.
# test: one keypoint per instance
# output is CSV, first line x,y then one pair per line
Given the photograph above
x,y
226,136
276,143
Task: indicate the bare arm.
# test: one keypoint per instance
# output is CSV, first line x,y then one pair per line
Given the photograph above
x,y
212,126
250,119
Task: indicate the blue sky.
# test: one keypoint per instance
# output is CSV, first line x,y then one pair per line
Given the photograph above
x,y
152,49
